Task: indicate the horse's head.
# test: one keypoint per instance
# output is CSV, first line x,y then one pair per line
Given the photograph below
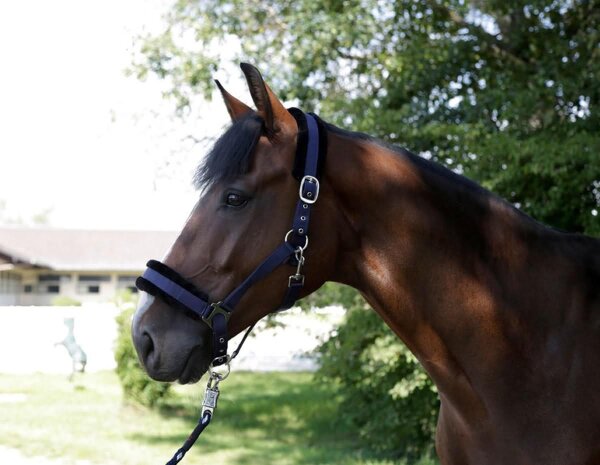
x,y
247,204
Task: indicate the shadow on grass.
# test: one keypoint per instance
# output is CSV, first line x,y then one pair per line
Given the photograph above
x,y
268,418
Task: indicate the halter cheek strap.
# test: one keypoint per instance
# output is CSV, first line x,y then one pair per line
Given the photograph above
x,y
162,281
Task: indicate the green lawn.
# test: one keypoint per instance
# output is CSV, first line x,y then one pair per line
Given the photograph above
x,y
279,418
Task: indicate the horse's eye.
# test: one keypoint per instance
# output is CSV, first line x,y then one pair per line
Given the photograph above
x,y
236,200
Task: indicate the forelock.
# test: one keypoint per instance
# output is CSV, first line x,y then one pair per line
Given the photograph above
x,y
231,154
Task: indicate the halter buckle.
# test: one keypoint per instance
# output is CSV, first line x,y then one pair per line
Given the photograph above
x,y
216,309
309,197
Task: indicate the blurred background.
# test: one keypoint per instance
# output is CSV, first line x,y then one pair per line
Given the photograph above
x,y
106,108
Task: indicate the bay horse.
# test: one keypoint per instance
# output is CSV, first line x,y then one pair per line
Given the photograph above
x,y
502,312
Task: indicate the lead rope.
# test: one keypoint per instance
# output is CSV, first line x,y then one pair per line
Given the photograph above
x,y
209,404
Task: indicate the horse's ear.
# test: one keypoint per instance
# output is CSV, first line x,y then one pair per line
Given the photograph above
x,y
268,105
235,107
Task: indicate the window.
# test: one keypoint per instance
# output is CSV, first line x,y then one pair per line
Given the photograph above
x,y
127,282
104,278
27,288
50,283
91,283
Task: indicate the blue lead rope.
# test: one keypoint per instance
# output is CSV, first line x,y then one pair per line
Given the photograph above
x,y
189,442
209,404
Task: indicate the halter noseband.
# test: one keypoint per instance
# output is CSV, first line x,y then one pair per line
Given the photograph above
x,y
162,281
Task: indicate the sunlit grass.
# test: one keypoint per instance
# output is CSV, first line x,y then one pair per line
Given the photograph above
x,y
279,418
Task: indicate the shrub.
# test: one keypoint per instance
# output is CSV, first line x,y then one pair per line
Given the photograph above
x,y
385,392
65,301
137,385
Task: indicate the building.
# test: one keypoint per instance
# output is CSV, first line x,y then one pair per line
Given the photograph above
x,y
39,264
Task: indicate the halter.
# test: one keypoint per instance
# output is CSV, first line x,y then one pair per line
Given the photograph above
x,y
162,281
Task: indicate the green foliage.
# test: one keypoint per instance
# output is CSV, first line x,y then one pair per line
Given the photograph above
x,y
136,384
506,92
551,180
332,294
8,217
385,393
65,301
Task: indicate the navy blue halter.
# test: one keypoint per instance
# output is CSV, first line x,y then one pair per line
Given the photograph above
x,y
160,280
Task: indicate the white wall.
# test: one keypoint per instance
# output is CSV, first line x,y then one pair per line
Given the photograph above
x,y
10,286
28,334
9,299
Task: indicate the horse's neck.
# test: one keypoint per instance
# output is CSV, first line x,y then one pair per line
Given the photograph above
x,y
445,264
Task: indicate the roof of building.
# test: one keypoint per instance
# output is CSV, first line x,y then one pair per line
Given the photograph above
x,y
69,249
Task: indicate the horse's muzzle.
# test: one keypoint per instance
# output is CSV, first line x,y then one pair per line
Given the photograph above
x,y
169,345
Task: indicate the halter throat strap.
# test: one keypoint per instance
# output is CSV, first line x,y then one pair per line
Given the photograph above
x,y
160,280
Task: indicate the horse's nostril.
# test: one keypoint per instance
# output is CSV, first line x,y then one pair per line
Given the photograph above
x,y
147,346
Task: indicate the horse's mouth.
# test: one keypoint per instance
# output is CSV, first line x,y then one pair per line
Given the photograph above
x,y
194,368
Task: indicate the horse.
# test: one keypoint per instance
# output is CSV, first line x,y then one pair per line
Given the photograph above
x,y
502,312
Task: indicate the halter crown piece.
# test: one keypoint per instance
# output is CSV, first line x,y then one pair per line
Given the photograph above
x,y
162,281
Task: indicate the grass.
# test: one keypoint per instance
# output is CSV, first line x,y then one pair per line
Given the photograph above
x,y
276,418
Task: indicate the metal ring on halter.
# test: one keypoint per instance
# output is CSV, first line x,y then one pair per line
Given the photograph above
x,y
220,375
302,247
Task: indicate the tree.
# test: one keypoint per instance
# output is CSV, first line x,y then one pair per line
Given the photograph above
x,y
505,91
385,393
40,218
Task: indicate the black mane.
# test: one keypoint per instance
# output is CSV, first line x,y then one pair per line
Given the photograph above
x,y
428,165
231,154
465,184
